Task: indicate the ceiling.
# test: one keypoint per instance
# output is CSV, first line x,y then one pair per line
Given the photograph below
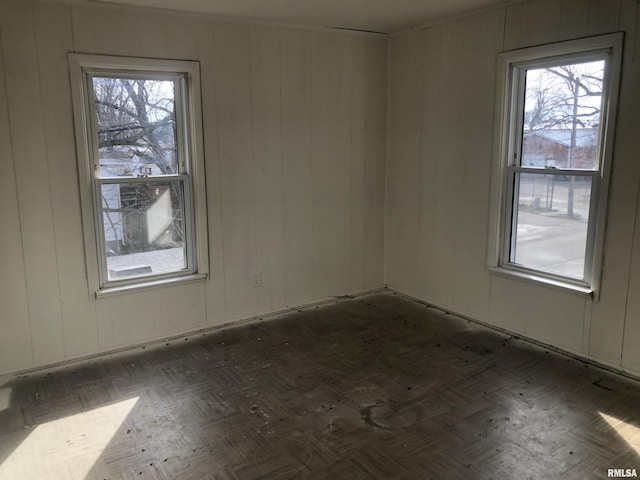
x,y
386,16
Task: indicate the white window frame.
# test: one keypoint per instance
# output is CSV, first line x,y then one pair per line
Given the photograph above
x,y
512,67
190,156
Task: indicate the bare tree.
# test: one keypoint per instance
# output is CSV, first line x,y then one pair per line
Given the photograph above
x,y
562,97
140,115
566,97
136,127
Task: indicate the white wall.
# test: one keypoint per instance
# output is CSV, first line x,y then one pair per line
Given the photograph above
x,y
439,178
294,127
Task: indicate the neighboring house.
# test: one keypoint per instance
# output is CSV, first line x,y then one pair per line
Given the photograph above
x,y
551,148
124,205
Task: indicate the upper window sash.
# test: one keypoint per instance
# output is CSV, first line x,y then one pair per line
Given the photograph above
x,y
181,119
518,91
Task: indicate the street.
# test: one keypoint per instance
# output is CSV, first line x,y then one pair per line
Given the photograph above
x,y
547,238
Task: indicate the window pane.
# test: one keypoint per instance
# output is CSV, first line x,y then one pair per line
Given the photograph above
x,y
551,218
143,228
136,126
562,115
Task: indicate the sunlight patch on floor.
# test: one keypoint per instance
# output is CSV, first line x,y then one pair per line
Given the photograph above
x,y
68,447
630,433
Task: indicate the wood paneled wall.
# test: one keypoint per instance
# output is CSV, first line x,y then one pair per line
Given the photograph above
x,y
295,128
439,178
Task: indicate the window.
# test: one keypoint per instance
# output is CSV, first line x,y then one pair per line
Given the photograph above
x,y
557,112
142,180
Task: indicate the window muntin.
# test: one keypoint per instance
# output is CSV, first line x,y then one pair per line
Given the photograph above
x,y
556,137
139,143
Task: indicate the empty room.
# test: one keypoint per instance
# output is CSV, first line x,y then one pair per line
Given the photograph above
x,y
287,239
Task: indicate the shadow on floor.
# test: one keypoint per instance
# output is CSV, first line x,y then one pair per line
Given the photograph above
x,y
373,387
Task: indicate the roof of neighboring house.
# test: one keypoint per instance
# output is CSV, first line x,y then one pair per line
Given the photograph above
x,y
585,137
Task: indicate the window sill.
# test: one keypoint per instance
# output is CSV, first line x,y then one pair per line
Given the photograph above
x,y
542,281
137,287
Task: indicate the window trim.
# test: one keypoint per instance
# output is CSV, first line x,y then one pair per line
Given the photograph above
x,y
506,120
192,173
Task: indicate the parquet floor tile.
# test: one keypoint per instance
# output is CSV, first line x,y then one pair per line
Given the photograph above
x,y
375,387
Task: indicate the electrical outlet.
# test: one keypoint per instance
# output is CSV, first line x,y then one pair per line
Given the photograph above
x,y
256,279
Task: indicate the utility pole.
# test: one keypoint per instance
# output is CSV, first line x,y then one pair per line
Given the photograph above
x,y
575,83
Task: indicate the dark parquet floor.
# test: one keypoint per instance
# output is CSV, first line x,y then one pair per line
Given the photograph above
x,y
375,387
